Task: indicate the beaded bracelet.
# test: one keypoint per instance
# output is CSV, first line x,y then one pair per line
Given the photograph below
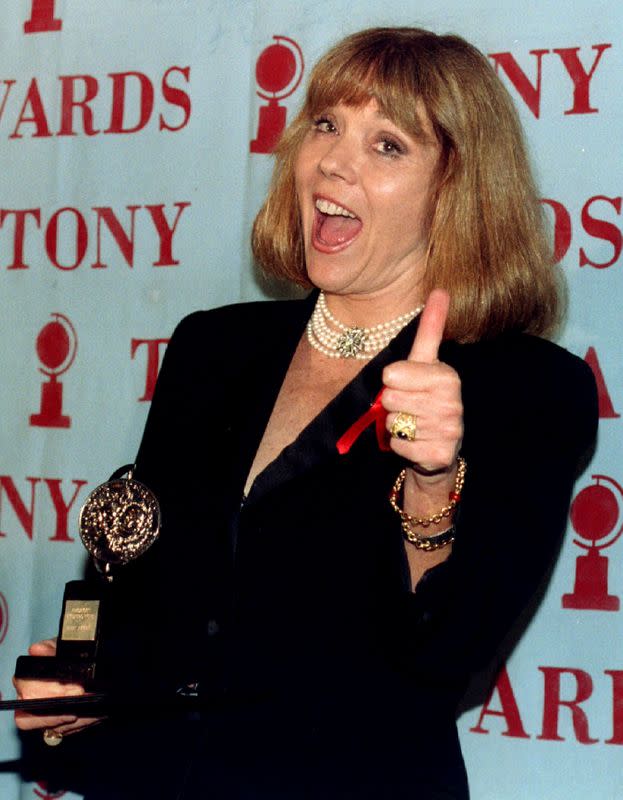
x,y
442,538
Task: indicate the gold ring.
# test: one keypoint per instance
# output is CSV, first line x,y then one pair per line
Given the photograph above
x,y
51,737
404,426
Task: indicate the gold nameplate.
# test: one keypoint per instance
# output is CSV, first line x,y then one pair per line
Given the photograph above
x,y
80,620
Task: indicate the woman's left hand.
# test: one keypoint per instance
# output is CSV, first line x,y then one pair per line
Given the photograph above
x,y
429,390
34,689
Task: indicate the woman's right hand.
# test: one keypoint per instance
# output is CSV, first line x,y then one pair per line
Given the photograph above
x,y
30,689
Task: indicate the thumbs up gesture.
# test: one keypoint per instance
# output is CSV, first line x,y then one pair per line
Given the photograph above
x,y
430,391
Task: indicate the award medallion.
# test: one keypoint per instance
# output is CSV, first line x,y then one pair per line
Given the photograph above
x,y
119,521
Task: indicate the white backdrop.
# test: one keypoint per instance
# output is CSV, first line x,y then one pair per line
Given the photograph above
x,y
133,143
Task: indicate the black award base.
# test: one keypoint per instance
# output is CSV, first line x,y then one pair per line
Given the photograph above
x,y
78,637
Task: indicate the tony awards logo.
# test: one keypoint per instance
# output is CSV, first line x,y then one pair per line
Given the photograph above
x,y
56,347
596,517
4,617
278,73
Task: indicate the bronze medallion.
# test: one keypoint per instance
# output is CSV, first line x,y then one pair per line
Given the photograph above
x,y
119,521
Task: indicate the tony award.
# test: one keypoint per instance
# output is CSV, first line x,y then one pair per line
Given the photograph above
x,y
119,521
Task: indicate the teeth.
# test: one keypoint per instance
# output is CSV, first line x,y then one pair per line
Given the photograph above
x,y
332,209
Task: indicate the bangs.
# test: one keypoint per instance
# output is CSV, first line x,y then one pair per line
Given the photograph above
x,y
382,71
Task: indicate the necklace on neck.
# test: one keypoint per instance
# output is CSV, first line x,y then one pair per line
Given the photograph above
x,y
334,339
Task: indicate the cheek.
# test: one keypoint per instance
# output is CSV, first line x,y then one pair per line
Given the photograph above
x,y
299,171
299,189
416,203
401,222
303,175
400,206
306,160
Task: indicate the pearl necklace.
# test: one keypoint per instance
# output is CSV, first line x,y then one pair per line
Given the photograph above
x,y
351,341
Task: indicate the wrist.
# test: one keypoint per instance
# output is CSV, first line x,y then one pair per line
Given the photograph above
x,y
432,487
426,515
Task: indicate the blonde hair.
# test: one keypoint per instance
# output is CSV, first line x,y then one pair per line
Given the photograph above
x,y
487,241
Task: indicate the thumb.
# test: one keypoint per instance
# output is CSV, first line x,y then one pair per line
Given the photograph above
x,y
430,330
47,647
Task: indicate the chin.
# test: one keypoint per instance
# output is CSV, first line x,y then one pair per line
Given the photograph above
x,y
329,284
328,274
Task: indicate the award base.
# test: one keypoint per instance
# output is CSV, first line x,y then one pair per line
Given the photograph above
x,y
77,642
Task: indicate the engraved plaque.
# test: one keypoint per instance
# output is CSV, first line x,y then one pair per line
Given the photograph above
x,y
79,622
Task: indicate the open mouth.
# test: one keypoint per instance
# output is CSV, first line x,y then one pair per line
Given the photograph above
x,y
335,226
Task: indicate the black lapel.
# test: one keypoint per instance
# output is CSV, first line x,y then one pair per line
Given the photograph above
x,y
317,442
270,336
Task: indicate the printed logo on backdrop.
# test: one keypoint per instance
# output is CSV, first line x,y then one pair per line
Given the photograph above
x,y
133,95
278,72
565,713
69,232
43,508
606,407
577,63
135,100
596,516
42,17
41,790
578,70
56,346
597,220
153,349
4,617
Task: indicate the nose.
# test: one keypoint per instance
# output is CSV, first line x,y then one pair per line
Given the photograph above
x,y
338,162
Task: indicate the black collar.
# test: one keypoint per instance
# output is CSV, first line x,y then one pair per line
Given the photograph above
x,y
317,442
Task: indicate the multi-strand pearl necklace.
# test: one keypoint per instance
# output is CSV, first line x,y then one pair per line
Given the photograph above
x,y
353,341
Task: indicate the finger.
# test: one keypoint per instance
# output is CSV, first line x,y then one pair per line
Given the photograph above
x,y
448,427
417,378
32,722
430,330
28,689
81,724
45,648
69,730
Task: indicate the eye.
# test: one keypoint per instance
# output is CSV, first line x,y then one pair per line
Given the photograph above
x,y
324,125
388,146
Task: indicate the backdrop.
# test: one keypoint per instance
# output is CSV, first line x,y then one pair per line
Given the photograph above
x,y
135,144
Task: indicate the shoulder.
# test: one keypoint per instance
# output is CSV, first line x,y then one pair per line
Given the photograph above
x,y
239,326
246,315
529,388
523,363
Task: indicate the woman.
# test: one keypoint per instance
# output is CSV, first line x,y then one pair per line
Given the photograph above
x,y
338,627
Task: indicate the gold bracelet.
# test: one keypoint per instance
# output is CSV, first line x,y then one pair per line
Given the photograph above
x,y
408,521
434,542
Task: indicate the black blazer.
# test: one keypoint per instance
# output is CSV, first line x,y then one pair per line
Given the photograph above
x,y
295,602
